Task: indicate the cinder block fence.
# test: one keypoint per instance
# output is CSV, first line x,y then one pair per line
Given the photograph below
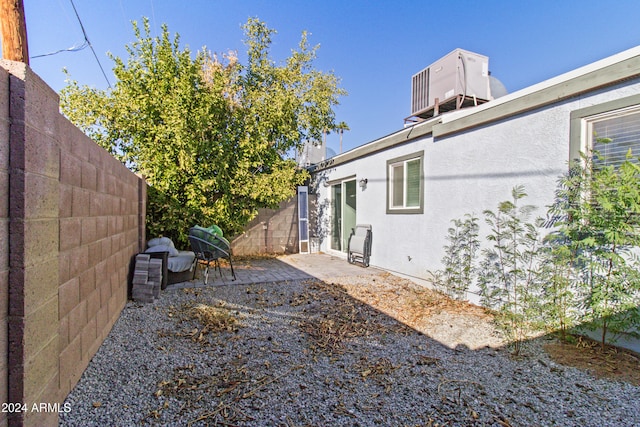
x,y
275,231
71,219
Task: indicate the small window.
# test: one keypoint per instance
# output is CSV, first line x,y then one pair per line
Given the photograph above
x,y
405,188
617,122
613,134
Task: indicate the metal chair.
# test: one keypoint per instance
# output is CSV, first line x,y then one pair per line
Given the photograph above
x,y
359,246
209,248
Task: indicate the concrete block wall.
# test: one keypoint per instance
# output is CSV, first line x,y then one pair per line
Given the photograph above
x,y
99,226
33,243
4,236
273,231
74,224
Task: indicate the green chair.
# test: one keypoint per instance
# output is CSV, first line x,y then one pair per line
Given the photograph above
x,y
209,248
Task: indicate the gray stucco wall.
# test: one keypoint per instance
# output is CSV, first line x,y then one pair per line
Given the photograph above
x,y
465,172
525,140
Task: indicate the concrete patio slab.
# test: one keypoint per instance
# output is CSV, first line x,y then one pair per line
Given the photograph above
x,y
278,269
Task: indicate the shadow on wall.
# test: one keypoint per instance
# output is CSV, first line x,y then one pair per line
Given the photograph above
x,y
629,339
273,231
320,210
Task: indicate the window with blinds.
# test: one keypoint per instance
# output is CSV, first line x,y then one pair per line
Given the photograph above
x,y
405,188
614,134
412,179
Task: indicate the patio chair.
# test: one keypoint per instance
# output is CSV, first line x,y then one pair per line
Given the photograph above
x,y
209,248
177,266
359,246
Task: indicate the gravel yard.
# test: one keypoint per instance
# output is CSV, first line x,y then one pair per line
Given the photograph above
x,y
373,350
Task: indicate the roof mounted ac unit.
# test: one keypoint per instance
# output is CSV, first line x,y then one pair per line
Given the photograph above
x,y
459,73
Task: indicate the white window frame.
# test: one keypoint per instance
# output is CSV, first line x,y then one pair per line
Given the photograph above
x,y
590,134
392,166
303,219
582,121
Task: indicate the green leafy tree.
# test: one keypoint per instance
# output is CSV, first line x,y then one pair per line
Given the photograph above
x,y
209,134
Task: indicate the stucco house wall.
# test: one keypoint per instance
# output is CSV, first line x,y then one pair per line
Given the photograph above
x,y
472,160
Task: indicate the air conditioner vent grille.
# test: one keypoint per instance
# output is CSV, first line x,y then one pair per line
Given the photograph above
x,y
459,74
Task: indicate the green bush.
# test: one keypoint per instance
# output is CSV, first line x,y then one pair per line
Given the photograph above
x,y
459,272
167,217
508,279
584,272
598,220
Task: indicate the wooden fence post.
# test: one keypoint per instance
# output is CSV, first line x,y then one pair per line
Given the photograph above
x,y
14,31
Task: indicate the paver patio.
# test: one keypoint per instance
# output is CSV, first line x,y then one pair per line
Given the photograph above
x,y
287,267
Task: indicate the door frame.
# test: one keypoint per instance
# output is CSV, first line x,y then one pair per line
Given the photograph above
x,y
344,228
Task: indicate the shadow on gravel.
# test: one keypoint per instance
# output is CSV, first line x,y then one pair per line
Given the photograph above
x,y
355,350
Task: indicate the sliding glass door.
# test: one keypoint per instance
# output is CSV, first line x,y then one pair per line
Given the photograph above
x,y
343,213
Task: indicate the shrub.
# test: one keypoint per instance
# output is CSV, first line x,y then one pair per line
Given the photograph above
x,y
597,213
508,278
460,253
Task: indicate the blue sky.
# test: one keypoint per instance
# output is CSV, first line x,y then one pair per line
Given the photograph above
x,y
373,46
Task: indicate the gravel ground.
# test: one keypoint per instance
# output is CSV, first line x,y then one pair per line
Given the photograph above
x,y
308,353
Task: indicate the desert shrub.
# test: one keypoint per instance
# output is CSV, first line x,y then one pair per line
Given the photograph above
x,y
508,279
597,215
459,270
585,271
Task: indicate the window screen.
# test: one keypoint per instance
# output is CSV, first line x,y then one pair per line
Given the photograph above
x,y
413,183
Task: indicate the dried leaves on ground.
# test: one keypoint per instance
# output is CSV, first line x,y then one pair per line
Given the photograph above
x,y
453,323
332,317
214,318
612,362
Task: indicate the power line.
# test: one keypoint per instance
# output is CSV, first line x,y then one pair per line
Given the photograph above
x,y
153,14
86,39
75,48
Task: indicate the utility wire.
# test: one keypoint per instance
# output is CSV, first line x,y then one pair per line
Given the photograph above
x,y
86,39
75,48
